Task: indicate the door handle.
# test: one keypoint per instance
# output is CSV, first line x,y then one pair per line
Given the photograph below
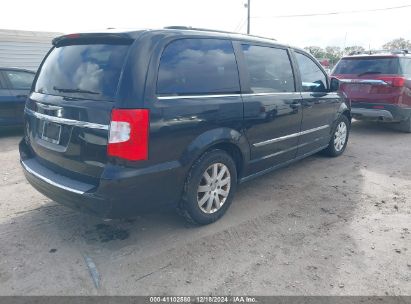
x,y
21,96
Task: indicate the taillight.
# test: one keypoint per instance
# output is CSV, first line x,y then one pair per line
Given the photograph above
x,y
395,81
128,136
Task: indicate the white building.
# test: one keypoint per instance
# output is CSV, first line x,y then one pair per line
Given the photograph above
x,y
24,49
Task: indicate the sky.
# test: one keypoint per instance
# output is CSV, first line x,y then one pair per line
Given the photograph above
x,y
368,29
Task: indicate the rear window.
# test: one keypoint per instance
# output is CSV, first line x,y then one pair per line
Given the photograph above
x,y
371,65
82,71
406,67
198,66
20,80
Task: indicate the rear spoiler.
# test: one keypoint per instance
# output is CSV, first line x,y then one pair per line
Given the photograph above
x,y
92,38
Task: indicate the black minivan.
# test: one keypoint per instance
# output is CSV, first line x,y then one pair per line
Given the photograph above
x,y
119,122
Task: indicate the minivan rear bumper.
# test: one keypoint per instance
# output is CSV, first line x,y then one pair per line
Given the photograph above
x,y
87,202
379,112
124,193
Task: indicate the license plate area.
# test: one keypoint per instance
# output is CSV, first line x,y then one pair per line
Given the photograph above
x,y
51,132
364,88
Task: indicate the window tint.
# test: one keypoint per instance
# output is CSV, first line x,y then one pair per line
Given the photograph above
x,y
362,65
406,67
198,66
312,78
85,71
2,86
20,80
269,68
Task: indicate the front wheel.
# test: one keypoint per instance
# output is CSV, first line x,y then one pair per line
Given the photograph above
x,y
210,188
339,138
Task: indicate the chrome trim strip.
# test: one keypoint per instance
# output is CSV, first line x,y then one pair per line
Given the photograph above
x,y
281,165
314,129
221,95
287,150
66,121
48,107
49,181
270,141
271,94
197,96
365,81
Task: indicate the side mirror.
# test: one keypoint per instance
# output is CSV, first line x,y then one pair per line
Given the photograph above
x,y
334,84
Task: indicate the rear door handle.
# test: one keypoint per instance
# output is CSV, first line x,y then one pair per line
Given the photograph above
x,y
21,96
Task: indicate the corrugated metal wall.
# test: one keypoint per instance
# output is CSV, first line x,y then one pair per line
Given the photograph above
x,y
24,49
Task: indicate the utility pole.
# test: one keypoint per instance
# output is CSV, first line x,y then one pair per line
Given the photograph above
x,y
248,17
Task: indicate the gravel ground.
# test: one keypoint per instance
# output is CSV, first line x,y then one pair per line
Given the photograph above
x,y
323,226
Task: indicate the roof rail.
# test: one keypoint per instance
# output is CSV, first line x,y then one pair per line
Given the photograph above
x,y
182,27
262,37
382,51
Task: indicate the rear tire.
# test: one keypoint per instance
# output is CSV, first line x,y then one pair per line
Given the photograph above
x,y
209,188
339,138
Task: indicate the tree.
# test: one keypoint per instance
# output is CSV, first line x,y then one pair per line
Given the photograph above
x,y
397,44
316,51
354,49
333,53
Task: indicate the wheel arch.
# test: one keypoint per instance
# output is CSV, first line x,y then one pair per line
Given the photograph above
x,y
229,140
347,113
343,109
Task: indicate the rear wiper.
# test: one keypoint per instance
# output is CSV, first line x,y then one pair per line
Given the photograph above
x,y
74,91
369,72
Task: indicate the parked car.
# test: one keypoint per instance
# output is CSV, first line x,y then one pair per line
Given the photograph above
x,y
15,86
126,122
379,87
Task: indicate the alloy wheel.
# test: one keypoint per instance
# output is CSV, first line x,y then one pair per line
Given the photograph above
x,y
340,136
214,188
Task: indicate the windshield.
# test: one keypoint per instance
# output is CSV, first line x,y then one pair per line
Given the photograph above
x,y
364,66
82,71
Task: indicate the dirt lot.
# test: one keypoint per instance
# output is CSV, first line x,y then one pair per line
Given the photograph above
x,y
322,226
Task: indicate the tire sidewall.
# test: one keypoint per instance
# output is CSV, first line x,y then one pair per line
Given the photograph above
x,y
331,146
189,201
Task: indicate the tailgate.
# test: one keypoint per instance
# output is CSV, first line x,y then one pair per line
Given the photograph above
x,y
367,89
69,138
68,114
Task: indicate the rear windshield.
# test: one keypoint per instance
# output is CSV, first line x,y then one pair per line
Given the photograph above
x,y
82,71
367,65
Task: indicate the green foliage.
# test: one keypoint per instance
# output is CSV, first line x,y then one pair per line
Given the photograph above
x,y
334,53
316,51
355,49
397,44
